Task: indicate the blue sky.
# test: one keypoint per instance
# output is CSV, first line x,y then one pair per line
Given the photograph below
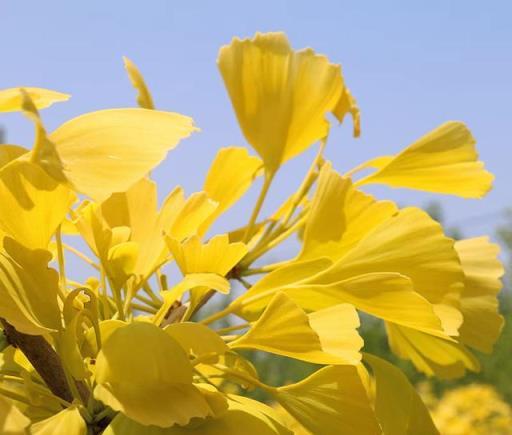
x,y
411,65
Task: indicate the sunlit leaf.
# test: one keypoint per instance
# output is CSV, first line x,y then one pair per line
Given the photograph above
x,y
254,417
230,175
144,98
11,99
433,355
332,400
28,289
479,304
283,111
398,406
68,421
443,161
155,388
90,148
284,329
12,421
33,204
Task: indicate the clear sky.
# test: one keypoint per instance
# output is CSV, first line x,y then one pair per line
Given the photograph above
x,y
411,65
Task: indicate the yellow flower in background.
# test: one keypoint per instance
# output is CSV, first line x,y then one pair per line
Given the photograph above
x,y
472,410
131,350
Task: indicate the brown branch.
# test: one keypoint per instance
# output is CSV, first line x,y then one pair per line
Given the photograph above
x,y
45,360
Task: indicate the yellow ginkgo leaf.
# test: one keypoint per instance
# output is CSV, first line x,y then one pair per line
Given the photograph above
x,y
8,153
28,289
121,261
144,98
443,161
432,355
103,152
197,340
241,371
340,216
280,96
412,244
251,303
336,327
190,282
230,175
479,304
33,203
284,329
347,104
11,100
68,421
389,296
12,421
218,255
136,211
331,401
398,407
89,346
196,210
155,388
95,231
243,415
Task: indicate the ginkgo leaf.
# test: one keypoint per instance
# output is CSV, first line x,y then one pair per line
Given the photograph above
x,y
336,327
332,400
197,340
326,217
189,282
89,346
284,329
218,255
196,210
398,406
95,231
28,289
11,100
137,209
340,216
33,203
479,304
412,244
107,151
432,355
230,175
254,417
251,303
8,153
386,295
144,98
348,105
443,161
283,112
237,365
12,421
68,421
122,258
156,387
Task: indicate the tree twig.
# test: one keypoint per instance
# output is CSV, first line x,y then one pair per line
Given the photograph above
x,y
45,360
